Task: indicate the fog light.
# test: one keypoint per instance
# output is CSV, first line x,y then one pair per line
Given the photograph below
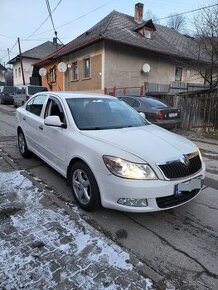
x,y
133,202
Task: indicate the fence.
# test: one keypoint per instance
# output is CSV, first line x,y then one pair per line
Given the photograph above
x,y
172,87
199,109
118,92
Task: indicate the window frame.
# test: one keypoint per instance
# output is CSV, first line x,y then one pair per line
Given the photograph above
x,y
73,79
147,33
179,78
84,60
52,76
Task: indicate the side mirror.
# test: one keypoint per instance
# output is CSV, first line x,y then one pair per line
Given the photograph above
x,y
142,114
54,121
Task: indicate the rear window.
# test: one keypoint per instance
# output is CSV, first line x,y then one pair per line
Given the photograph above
x,y
154,102
9,90
33,90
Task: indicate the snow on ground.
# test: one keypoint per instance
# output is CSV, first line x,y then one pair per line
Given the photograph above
x,y
41,247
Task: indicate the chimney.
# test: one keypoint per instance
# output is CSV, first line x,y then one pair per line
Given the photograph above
x,y
139,12
55,42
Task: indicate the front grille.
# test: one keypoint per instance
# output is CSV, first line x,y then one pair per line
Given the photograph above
x,y
172,200
177,169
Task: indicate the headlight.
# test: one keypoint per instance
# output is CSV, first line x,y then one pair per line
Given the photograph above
x,y
127,169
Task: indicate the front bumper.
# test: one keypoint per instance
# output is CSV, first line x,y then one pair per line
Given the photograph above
x,y
113,188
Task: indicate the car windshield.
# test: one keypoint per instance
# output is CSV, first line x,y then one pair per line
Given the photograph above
x,y
103,113
9,90
153,102
33,90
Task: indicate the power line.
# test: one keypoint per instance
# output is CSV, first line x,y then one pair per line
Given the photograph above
x,y
81,16
186,12
10,50
43,21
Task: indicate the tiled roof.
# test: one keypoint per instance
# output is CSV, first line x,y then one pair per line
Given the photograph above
x,y
120,27
38,52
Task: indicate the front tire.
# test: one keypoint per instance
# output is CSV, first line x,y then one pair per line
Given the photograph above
x,y
24,151
84,186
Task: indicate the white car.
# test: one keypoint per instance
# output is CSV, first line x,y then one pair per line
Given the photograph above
x,y
110,155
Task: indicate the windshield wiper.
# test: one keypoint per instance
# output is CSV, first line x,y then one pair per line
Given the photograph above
x,y
93,128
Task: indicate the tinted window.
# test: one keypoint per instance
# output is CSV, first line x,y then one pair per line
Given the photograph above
x,y
153,102
9,90
33,90
103,113
129,101
21,90
136,104
35,105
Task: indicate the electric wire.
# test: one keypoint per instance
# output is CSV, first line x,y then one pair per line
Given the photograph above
x,y
186,12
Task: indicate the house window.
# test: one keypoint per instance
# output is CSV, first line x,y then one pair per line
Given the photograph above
x,y
147,33
16,73
52,75
86,68
19,71
178,73
75,75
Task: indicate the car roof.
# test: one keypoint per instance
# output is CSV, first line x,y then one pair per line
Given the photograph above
x,y
70,95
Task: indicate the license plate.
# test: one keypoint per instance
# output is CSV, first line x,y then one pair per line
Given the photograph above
x,y
171,115
188,186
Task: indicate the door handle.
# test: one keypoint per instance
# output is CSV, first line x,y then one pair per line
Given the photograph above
x,y
24,118
41,127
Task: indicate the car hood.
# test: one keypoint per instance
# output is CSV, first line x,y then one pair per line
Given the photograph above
x,y
150,143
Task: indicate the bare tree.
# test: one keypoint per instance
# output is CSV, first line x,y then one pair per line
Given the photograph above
x,y
150,15
177,22
206,27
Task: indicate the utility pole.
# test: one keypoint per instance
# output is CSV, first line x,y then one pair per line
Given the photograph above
x,y
21,60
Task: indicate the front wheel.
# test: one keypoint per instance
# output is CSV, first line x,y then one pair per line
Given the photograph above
x,y
22,145
84,186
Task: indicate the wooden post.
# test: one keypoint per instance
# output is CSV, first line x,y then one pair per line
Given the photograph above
x,y
21,60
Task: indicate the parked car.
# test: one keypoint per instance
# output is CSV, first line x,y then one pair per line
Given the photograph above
x,y
110,155
156,111
6,94
24,92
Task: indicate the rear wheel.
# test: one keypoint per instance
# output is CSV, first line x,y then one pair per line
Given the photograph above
x,y
84,186
22,145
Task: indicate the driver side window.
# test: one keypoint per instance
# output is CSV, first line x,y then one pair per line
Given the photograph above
x,y
54,108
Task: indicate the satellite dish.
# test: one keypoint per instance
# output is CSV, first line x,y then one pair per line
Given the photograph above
x,y
43,72
146,68
62,67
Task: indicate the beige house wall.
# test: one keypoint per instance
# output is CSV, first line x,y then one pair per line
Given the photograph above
x,y
124,68
95,82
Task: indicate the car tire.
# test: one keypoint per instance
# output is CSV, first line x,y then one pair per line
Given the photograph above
x,y
84,186
24,151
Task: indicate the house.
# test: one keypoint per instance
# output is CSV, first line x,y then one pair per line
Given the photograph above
x,y
31,76
123,53
2,74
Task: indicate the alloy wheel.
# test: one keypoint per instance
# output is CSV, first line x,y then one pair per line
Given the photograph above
x,y
81,186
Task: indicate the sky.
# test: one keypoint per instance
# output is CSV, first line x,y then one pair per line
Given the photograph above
x,y
26,19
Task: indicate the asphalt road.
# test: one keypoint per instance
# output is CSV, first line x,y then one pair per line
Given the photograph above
x,y
180,245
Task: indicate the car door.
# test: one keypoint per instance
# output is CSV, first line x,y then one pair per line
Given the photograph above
x,y
56,138
32,123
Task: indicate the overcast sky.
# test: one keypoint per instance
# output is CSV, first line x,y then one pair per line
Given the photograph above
x,y
21,18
